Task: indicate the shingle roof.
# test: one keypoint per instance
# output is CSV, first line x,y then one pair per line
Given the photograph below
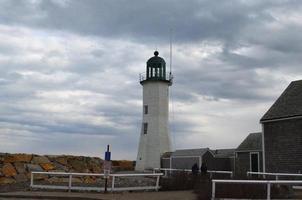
x,y
252,142
223,153
190,152
289,104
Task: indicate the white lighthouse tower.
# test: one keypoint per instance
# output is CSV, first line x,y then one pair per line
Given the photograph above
x,y
155,135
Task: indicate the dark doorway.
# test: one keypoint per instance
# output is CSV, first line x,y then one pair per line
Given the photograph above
x,y
254,158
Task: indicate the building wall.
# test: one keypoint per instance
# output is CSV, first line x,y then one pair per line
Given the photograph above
x,y
165,163
283,146
217,164
157,140
209,160
242,163
185,162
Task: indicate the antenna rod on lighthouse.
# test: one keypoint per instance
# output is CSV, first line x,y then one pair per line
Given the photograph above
x,y
171,31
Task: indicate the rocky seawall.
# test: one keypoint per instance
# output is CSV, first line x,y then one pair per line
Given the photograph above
x,y
17,168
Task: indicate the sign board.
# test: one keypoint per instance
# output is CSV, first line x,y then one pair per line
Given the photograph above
x,y
107,165
107,168
107,155
106,173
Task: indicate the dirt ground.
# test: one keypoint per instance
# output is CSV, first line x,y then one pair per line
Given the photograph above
x,y
176,195
170,195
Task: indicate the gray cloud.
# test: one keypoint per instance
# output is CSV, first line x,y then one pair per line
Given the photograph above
x,y
69,70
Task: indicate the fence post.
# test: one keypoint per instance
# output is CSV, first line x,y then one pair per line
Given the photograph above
x,y
112,184
70,183
213,190
268,191
31,179
157,182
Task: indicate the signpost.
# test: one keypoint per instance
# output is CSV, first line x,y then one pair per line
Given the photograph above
x,y
107,166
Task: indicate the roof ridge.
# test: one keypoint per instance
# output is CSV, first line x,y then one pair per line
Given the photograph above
x,y
288,104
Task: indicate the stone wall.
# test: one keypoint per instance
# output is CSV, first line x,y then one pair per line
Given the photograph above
x,y
16,168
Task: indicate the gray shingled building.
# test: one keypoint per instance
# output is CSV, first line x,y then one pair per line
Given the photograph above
x,y
282,132
277,149
220,159
248,155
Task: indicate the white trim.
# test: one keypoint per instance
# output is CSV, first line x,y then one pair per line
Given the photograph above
x,y
257,153
246,151
190,170
280,119
183,156
274,174
234,162
200,161
263,149
211,152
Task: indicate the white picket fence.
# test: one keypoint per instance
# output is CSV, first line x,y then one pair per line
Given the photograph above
x,y
276,175
267,182
70,186
211,172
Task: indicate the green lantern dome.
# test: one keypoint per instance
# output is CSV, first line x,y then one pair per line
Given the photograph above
x,y
156,61
156,68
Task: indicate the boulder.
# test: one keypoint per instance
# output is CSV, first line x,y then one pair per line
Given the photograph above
x,y
21,178
74,180
39,176
54,179
6,180
126,165
63,180
60,167
40,160
89,180
96,168
11,158
61,160
33,168
20,167
78,166
47,166
2,158
9,170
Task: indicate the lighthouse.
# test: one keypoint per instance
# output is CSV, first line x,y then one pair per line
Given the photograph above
x,y
155,135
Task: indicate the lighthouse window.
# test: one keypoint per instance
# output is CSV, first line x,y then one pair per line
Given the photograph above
x,y
146,109
145,128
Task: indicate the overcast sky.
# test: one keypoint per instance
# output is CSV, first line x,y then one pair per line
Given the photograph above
x,y
69,70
